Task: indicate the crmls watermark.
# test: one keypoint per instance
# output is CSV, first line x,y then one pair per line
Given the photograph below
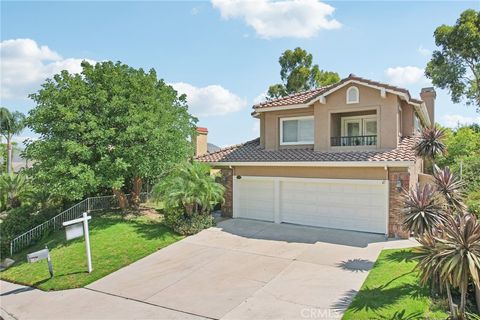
x,y
325,314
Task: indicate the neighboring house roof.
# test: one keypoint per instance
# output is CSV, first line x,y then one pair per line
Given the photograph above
x,y
251,151
305,98
212,148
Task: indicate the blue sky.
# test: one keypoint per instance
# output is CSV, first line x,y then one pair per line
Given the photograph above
x,y
224,54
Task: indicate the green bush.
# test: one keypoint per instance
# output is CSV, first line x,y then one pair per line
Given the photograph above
x,y
189,194
473,203
19,220
185,224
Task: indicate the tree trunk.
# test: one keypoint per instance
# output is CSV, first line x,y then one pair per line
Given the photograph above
x,y
122,198
9,154
477,297
453,310
463,300
137,189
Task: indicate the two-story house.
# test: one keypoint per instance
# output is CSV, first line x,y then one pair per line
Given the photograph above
x,y
336,157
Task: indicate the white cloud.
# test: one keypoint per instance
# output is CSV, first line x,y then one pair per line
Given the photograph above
x,y
453,120
25,65
262,97
406,75
211,100
278,19
424,51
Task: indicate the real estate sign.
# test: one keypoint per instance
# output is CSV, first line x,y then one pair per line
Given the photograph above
x,y
41,255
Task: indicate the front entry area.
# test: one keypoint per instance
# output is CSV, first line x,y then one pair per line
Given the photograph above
x,y
349,204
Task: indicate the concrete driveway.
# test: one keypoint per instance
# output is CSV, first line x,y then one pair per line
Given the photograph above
x,y
242,270
248,269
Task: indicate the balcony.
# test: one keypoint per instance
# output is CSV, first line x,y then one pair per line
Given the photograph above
x,y
353,141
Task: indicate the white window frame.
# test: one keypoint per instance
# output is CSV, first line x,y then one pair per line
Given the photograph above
x,y
360,119
348,93
296,142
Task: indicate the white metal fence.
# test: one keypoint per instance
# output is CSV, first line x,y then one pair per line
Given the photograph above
x,y
76,211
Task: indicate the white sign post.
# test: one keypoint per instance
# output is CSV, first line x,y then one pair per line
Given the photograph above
x,y
77,228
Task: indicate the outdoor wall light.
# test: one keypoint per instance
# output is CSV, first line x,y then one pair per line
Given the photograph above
x,y
239,177
399,184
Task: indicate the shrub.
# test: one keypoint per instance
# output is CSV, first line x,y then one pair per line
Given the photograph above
x,y
189,194
19,220
185,224
473,203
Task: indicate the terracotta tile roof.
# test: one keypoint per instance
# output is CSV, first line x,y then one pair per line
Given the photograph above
x,y
252,152
307,96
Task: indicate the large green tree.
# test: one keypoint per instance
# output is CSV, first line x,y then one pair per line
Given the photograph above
x,y
456,65
11,123
109,128
298,74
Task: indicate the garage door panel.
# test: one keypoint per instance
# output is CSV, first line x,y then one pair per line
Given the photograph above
x,y
353,206
255,199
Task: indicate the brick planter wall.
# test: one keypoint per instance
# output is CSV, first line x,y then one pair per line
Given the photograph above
x,y
396,204
227,182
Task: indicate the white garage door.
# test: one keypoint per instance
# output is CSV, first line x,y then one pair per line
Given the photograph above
x,y
353,205
359,205
255,199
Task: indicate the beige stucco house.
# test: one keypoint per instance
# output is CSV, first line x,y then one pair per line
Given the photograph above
x,y
334,157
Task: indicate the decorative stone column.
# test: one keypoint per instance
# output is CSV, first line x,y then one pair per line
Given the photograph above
x,y
396,203
227,182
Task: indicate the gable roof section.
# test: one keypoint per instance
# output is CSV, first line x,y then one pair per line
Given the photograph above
x,y
252,153
306,98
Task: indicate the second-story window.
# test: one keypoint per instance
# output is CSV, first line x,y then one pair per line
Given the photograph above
x,y
416,124
352,95
297,130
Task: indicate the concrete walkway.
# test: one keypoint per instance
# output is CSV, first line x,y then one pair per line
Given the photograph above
x,y
239,270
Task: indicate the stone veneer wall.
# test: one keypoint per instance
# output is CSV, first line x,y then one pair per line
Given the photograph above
x,y
227,182
396,203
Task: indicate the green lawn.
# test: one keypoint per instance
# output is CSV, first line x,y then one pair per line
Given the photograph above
x,y
392,291
116,241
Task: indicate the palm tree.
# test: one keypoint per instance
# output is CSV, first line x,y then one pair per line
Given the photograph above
x,y
190,187
422,213
11,123
14,187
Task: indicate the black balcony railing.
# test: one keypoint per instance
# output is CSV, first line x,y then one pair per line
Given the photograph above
x,y
353,141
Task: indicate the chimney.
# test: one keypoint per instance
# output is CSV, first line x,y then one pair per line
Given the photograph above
x,y
201,141
428,96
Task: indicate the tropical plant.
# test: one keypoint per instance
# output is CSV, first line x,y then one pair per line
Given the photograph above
x,y
191,187
11,123
430,143
460,254
450,187
15,187
422,213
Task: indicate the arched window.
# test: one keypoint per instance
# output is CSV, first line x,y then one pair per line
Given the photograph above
x,y
352,95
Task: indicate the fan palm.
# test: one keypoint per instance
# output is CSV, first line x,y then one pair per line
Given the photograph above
x,y
430,143
450,188
422,213
11,123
